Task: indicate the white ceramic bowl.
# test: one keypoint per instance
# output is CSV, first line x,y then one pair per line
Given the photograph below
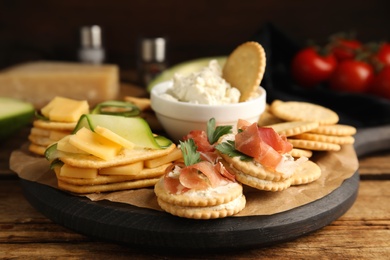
x,y
179,118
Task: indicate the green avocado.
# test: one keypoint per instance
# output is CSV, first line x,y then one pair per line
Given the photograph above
x,y
184,68
14,114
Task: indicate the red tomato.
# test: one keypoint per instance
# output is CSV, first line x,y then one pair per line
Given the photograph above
x,y
352,76
309,68
381,83
383,54
345,49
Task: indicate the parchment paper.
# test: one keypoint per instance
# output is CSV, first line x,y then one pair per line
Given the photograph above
x,y
336,167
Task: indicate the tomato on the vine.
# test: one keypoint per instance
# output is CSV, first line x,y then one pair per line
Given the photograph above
x,y
383,54
381,83
309,67
345,49
352,76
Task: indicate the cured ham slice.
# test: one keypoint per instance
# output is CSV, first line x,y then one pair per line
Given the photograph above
x,y
262,143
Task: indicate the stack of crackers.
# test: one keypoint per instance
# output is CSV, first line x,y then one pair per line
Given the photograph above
x,y
308,127
140,168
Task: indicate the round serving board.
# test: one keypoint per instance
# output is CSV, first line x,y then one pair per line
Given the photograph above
x,y
150,229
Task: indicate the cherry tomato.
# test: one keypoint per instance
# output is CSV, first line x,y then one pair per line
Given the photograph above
x,y
383,54
309,68
352,76
381,83
345,49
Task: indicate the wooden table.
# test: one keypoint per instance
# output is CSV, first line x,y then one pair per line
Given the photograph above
x,y
362,233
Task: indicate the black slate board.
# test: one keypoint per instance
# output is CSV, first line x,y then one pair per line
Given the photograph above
x,y
150,229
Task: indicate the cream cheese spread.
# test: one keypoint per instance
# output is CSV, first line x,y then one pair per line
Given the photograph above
x,y
203,87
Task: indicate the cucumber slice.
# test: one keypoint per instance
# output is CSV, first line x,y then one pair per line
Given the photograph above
x,y
134,129
14,114
114,107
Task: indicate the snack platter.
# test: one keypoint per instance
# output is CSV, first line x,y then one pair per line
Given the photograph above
x,y
145,228
198,189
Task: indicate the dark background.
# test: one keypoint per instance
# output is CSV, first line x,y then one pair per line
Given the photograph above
x,y
43,29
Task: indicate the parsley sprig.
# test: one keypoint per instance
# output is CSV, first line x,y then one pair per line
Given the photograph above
x,y
228,148
190,155
214,133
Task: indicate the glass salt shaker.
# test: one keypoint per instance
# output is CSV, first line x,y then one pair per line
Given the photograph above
x,y
91,49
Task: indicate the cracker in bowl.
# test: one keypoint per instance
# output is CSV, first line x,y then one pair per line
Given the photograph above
x,y
244,68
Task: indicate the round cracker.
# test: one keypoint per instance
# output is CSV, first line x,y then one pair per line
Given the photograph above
x,y
199,198
294,128
304,111
253,169
37,149
326,138
314,145
209,212
307,172
262,184
338,129
298,152
244,68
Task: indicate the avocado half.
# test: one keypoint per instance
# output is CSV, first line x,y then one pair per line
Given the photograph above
x,y
185,68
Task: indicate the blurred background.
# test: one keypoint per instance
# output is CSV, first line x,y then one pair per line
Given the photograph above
x,y
43,29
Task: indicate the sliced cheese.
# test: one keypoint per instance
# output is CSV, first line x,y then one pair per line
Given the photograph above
x,y
95,144
64,146
41,81
176,154
75,172
62,109
128,169
114,137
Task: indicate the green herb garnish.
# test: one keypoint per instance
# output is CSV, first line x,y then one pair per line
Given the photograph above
x,y
214,133
228,148
190,155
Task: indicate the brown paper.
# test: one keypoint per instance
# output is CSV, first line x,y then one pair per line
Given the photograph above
x,y
336,167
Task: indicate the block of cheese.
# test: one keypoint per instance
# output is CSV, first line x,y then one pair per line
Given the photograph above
x,y
39,82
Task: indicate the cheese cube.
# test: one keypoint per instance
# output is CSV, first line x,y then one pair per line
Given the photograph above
x,y
62,109
39,82
75,172
94,144
128,169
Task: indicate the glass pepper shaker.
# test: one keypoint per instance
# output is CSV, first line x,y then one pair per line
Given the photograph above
x,y
152,58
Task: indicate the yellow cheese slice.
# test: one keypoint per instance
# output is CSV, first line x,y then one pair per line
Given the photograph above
x,y
94,144
75,172
62,109
176,154
64,145
40,81
128,169
114,137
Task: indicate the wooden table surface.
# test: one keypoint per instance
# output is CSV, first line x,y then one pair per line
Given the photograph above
x,y
362,233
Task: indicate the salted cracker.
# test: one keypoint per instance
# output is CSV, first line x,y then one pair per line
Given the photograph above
x,y
209,212
199,198
244,68
304,111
